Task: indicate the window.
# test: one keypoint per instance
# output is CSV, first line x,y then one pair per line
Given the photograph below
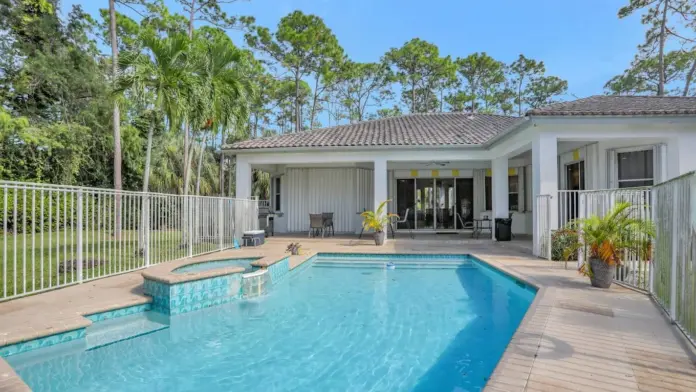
x,y
276,190
635,168
513,190
513,193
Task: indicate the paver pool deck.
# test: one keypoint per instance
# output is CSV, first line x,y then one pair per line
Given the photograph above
x,y
573,337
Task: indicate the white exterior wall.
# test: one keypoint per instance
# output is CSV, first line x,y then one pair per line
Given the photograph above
x,y
343,191
601,167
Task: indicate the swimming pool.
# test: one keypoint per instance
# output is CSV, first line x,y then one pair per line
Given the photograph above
x,y
343,323
211,265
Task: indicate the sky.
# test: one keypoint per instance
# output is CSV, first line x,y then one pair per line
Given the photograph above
x,y
583,42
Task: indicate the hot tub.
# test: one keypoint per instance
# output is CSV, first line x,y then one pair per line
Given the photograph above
x,y
215,264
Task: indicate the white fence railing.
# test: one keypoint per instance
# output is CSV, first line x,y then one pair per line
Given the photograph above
x,y
54,235
583,204
673,278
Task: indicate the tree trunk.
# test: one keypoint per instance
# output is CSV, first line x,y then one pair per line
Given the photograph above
x,y
519,97
148,154
146,184
200,165
413,97
192,14
689,77
298,120
314,103
118,182
221,182
663,27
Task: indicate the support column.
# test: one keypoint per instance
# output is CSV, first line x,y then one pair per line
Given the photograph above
x,y
500,191
381,184
242,179
544,181
680,156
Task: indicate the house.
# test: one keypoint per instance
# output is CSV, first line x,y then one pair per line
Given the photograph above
x,y
447,169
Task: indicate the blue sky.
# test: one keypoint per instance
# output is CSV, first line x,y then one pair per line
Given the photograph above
x,y
583,42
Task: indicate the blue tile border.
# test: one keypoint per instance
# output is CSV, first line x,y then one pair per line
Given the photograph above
x,y
172,299
279,270
398,256
111,314
64,337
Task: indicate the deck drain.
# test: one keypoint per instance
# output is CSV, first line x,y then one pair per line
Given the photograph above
x,y
587,309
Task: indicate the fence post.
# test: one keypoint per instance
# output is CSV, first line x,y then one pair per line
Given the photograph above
x,y
582,213
190,225
651,265
549,248
674,254
221,226
146,229
79,236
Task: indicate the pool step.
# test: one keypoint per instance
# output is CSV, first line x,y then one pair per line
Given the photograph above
x,y
107,332
339,263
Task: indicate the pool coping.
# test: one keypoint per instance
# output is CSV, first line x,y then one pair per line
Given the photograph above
x,y
164,273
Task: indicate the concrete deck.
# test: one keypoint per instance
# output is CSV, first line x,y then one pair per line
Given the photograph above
x,y
573,338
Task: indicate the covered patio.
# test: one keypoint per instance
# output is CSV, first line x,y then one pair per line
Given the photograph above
x,y
456,172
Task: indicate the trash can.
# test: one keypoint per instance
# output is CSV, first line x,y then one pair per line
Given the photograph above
x,y
503,229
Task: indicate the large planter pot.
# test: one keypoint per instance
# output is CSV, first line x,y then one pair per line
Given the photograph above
x,y
602,273
380,236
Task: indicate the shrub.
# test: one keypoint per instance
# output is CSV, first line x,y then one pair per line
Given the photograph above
x,y
561,240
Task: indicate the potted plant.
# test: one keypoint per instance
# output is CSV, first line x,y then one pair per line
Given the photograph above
x,y
609,240
378,221
294,248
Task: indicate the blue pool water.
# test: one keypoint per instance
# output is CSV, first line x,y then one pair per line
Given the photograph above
x,y
211,265
334,326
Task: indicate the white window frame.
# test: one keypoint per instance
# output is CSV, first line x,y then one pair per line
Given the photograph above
x,y
614,166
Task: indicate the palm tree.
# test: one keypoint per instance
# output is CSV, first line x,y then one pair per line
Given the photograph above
x,y
118,184
225,92
160,75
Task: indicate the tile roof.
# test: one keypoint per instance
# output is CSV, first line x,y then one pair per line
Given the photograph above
x,y
620,105
427,129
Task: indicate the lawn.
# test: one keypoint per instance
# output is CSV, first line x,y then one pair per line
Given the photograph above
x,y
43,260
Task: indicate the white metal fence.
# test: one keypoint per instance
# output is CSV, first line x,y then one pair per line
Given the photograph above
x,y
54,235
673,279
583,204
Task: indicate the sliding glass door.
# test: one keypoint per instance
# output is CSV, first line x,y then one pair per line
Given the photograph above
x,y
406,202
445,207
425,200
435,203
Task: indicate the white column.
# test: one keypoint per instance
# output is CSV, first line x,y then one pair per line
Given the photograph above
x,y
545,178
680,156
242,179
381,184
500,191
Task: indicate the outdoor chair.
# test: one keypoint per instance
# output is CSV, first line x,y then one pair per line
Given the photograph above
x,y
406,221
511,233
316,225
327,218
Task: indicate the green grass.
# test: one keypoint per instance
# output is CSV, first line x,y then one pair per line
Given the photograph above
x,y
38,256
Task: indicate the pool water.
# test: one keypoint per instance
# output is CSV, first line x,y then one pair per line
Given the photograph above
x,y
211,265
326,328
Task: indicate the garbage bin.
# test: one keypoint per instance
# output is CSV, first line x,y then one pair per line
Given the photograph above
x,y
503,229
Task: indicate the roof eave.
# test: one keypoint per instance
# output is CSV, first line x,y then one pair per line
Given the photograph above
x,y
235,151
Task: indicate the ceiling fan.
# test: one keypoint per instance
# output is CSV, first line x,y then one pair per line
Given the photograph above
x,y
437,163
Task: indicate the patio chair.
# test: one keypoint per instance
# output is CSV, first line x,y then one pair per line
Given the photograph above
x,y
327,218
316,225
511,233
406,221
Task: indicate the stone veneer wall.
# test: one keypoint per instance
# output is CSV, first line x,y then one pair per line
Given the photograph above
x,y
185,297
